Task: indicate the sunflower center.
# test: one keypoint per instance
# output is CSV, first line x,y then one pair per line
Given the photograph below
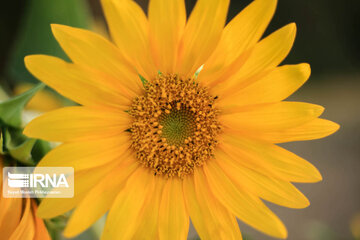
x,y
174,126
177,125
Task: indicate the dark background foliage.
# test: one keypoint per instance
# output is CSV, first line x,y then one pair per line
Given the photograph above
x,y
328,31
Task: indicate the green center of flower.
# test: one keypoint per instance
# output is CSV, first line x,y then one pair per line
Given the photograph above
x,y
178,125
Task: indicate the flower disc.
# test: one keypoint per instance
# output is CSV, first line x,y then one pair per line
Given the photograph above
x,y
175,125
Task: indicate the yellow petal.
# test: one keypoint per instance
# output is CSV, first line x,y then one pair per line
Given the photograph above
x,y
88,154
78,123
274,87
122,220
270,117
129,29
242,33
90,49
81,84
244,205
26,228
201,35
10,214
100,198
318,128
41,233
173,217
210,219
270,159
167,21
268,188
266,55
84,181
148,226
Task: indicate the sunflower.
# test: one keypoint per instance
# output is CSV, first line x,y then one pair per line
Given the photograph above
x,y
178,119
18,217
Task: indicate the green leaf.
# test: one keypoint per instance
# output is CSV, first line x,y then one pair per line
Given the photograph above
x,y
2,141
3,95
143,80
198,71
11,109
22,153
39,150
5,140
35,36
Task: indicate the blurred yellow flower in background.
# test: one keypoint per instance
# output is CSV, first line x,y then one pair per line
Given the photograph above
x,y
194,136
18,218
355,226
43,101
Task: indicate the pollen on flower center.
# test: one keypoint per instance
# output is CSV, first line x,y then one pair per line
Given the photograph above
x,y
175,126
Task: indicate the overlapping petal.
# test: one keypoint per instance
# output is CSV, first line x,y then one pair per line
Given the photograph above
x,y
270,117
273,87
202,204
84,155
85,180
173,216
79,83
270,159
318,128
167,21
10,214
280,192
148,227
78,123
129,29
26,228
201,35
247,207
240,34
122,220
87,48
100,198
265,56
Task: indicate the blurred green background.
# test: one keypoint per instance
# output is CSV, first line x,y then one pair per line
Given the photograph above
x,y
328,38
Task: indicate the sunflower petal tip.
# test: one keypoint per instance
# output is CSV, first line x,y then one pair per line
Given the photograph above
x,y
31,60
319,178
29,129
55,28
305,69
26,130
293,25
284,233
27,59
332,127
320,110
69,232
315,175
336,126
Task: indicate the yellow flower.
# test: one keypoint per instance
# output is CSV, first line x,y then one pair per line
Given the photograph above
x,y
355,226
43,101
18,219
178,143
